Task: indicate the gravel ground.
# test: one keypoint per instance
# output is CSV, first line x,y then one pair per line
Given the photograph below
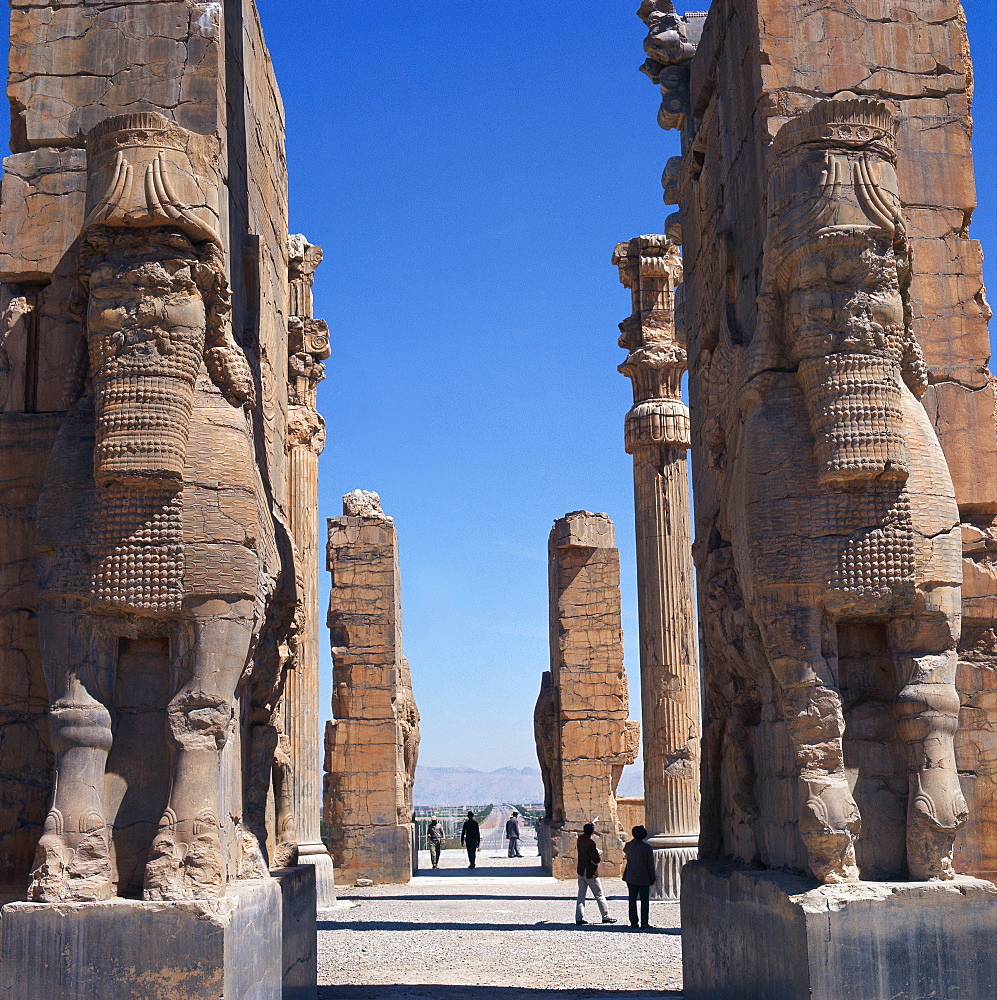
x,y
503,931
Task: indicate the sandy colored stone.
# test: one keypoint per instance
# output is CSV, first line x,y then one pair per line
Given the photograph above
x,y
762,230
657,436
584,738
372,743
308,348
146,477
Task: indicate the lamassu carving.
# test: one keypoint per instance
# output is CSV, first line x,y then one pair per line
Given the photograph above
x,y
158,552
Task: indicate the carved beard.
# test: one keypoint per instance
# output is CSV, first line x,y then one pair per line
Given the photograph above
x,y
845,332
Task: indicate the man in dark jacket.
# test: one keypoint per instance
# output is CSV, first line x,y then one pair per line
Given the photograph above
x,y
512,835
470,837
639,875
588,877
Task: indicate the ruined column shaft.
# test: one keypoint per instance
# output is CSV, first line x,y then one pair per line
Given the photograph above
x,y
669,674
308,347
301,694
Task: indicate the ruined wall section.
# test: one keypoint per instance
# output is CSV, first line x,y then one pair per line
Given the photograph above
x,y
758,64
372,743
585,702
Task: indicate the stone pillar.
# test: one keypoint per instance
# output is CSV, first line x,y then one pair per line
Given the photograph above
x,y
657,435
586,696
372,744
308,347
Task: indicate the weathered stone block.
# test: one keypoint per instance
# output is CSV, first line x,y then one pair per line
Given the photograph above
x,y
125,949
300,944
766,935
964,421
43,197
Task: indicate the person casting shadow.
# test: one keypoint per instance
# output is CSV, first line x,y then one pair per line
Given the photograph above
x,y
588,877
470,837
639,875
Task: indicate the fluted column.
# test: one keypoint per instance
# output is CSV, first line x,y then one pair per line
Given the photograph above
x,y
657,436
308,347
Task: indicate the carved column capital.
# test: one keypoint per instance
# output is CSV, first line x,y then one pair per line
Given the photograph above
x,y
650,266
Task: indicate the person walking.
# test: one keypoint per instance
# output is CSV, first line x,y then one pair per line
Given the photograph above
x,y
588,877
470,837
434,837
512,834
639,875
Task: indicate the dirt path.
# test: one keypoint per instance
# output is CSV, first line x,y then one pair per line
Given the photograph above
x,y
504,931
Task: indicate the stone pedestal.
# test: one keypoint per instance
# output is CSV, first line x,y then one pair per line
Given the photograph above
x,y
670,854
299,946
126,949
763,935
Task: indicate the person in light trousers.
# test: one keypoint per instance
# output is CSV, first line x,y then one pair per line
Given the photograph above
x,y
434,838
588,877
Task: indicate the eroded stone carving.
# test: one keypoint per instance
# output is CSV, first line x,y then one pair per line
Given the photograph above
x,y
157,549
838,529
669,49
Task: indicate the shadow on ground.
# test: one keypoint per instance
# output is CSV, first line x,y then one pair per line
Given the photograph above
x,y
491,871
432,925
436,992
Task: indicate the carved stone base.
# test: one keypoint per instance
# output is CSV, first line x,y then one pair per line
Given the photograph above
x,y
668,861
127,949
317,855
767,935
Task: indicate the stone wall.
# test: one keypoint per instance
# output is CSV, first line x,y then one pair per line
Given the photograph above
x,y
372,743
584,738
758,65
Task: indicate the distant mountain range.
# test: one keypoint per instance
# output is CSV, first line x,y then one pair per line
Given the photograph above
x,y
463,786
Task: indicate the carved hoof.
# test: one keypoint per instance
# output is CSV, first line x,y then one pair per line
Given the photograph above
x,y
67,874
936,813
285,855
188,867
829,826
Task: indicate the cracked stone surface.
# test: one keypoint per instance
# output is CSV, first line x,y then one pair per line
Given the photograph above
x,y
788,312
583,736
372,743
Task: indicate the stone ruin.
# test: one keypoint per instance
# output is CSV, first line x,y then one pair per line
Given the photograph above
x,y
154,602
372,742
583,736
843,442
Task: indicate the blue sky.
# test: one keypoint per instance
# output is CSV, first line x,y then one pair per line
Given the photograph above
x,y
468,177
468,171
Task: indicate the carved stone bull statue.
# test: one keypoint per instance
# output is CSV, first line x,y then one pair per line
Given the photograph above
x,y
155,534
836,497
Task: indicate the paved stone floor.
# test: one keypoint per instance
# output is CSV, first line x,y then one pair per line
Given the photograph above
x,y
505,931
